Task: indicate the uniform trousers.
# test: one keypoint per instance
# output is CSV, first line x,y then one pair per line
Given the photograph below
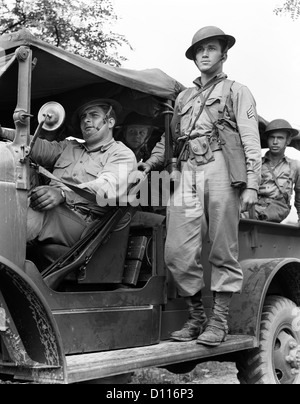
x,y
204,201
63,226
60,226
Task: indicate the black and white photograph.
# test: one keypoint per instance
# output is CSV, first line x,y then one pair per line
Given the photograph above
x,y
149,195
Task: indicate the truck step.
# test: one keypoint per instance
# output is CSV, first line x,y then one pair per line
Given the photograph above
x,y
107,364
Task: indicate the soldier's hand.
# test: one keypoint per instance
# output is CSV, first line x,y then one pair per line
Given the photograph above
x,y
248,200
45,198
146,168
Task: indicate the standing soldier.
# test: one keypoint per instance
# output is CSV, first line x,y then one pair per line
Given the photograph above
x,y
216,124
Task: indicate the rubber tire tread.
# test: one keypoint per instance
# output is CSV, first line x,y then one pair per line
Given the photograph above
x,y
253,365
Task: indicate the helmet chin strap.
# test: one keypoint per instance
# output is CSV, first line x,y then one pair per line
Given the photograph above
x,y
106,118
102,131
100,134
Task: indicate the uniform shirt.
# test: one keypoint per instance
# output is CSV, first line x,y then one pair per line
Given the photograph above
x,y
287,172
244,108
103,172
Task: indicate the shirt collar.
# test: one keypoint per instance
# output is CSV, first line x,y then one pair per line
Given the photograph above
x,y
218,77
102,148
267,158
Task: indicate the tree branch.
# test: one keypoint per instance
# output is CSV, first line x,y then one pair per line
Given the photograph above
x,y
57,35
11,27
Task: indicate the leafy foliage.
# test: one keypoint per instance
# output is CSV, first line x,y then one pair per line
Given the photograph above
x,y
290,7
80,26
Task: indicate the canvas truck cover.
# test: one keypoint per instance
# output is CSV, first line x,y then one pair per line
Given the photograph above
x,y
69,79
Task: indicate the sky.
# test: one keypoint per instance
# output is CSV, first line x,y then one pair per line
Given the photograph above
x,y
266,57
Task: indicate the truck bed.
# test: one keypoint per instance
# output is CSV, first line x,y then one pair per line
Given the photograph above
x,y
94,366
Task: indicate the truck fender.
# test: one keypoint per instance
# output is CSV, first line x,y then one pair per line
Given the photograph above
x,y
27,320
260,276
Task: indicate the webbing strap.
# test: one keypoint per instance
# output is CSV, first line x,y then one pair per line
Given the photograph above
x,y
82,192
190,94
226,101
282,190
195,121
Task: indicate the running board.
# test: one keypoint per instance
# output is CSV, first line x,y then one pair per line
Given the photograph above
x,y
94,366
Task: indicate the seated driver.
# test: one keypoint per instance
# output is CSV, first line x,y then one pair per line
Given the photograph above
x,y
58,215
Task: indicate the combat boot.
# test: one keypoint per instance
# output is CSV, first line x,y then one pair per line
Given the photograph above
x,y
196,323
217,328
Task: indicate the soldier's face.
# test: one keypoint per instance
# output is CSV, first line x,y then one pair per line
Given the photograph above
x,y
209,56
136,135
96,128
278,142
91,121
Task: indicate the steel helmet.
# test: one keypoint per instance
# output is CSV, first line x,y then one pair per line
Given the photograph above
x,y
280,125
208,33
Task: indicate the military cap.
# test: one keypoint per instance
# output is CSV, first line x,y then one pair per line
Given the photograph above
x,y
97,102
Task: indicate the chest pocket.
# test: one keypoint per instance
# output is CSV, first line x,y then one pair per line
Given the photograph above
x,y
82,171
186,108
213,104
92,170
186,119
61,168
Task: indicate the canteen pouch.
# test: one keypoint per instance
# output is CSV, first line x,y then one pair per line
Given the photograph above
x,y
200,150
230,141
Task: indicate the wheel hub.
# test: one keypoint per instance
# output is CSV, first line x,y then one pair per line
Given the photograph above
x,y
294,357
287,357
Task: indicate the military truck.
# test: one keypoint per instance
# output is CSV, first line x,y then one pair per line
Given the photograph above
x,y
70,321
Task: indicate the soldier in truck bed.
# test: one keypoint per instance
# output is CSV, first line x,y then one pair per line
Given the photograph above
x,y
280,175
220,177
136,133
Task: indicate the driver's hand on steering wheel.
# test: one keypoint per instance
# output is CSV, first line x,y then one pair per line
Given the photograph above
x,y
45,198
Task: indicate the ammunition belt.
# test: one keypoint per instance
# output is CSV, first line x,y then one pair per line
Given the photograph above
x,y
213,144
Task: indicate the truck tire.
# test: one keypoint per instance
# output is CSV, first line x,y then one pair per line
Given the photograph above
x,y
277,359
